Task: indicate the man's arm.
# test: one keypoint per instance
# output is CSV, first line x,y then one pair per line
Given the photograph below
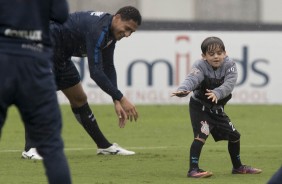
x,y
97,73
103,72
59,11
108,64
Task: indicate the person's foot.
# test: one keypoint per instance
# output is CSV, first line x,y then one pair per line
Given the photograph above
x,y
115,149
244,169
31,154
199,173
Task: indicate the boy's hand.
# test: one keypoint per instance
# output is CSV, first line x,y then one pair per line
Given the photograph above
x,y
211,96
180,93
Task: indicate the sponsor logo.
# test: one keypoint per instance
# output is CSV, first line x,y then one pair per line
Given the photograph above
x,y
98,14
35,35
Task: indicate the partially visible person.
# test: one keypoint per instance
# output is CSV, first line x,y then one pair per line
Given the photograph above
x,y
276,178
212,80
93,34
26,80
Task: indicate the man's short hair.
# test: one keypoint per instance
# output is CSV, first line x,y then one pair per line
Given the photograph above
x,y
130,13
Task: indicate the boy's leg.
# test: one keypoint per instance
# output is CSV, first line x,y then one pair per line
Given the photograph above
x,y
226,131
195,152
238,168
234,152
200,126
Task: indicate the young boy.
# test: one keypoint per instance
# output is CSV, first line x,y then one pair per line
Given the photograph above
x,y
212,80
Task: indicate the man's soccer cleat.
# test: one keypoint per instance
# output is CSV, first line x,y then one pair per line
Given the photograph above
x,y
115,149
199,173
31,154
244,169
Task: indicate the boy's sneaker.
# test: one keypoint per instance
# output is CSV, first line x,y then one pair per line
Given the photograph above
x,y
244,169
199,173
115,149
31,154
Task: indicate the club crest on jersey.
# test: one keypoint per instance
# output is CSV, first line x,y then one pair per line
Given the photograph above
x,y
205,129
195,71
98,14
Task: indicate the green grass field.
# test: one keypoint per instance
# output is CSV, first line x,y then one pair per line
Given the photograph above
x,y
161,138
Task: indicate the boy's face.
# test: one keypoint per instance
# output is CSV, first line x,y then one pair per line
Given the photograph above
x,y
121,28
214,56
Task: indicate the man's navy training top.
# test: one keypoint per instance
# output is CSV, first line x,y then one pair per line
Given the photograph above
x,y
89,34
29,36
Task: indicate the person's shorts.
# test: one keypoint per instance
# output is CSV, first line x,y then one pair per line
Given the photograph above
x,y
66,74
215,122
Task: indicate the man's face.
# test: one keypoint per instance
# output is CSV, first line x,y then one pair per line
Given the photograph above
x,y
122,28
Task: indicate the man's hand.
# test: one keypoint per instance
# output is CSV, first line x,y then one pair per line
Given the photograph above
x,y
122,117
129,108
211,95
180,93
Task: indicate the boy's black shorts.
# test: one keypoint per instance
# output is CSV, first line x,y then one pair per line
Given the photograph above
x,y
206,121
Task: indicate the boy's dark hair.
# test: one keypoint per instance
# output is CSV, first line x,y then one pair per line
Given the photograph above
x,y
130,13
211,43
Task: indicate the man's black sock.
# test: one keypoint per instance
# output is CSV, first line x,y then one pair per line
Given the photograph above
x,y
87,119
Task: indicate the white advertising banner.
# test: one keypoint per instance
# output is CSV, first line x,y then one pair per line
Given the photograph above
x,y
151,64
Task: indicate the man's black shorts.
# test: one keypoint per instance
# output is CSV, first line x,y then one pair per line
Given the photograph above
x,y
66,74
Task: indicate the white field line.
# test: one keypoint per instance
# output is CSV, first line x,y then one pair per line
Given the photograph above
x,y
156,148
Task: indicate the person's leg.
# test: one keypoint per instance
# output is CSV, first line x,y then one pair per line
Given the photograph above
x,y
238,168
3,113
3,107
39,109
30,151
84,114
234,152
8,74
195,152
227,131
200,126
276,178
68,81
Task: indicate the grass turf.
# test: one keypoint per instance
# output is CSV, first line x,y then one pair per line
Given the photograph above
x,y
161,138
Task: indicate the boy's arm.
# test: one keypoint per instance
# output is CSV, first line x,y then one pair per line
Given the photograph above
x,y
229,82
193,79
191,82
